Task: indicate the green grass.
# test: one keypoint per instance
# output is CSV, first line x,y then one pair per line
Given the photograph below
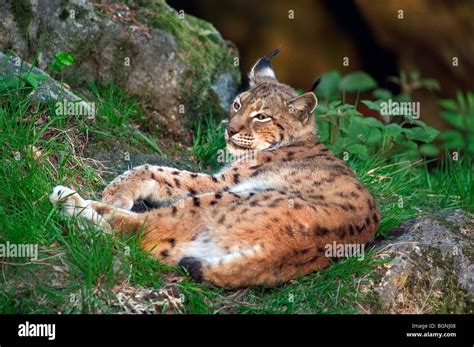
x,y
116,113
208,140
331,291
78,267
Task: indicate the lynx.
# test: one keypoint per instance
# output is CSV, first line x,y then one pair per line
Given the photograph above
x,y
263,221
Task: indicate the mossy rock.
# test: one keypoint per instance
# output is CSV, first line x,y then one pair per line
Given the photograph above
x,y
431,268
179,65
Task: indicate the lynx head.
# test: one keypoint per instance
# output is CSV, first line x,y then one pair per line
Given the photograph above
x,y
270,114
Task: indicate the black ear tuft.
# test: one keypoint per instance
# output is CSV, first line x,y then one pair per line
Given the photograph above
x,y
263,68
315,85
272,54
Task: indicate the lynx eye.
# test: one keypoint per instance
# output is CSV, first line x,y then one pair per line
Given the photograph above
x,y
260,117
236,106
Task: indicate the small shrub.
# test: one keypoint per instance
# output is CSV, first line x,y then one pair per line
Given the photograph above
x,y
348,132
459,113
61,60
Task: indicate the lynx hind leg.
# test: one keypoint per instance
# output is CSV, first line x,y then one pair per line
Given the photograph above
x,y
73,205
248,272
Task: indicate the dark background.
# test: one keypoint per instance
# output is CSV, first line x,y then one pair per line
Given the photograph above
x,y
370,33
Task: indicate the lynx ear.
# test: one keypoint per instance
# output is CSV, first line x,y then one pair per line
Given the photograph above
x,y
303,106
263,69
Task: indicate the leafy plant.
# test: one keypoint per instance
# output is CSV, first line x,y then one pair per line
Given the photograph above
x,y
20,82
413,81
61,60
459,113
346,130
23,82
333,86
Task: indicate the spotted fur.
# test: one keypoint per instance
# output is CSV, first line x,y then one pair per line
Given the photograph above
x,y
259,221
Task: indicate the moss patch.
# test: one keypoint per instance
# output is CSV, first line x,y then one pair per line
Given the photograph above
x,y
433,294
452,298
201,48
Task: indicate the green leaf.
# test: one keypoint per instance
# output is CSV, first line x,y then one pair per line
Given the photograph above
x,y
449,105
415,75
408,144
429,150
343,141
402,98
323,130
409,154
430,84
382,94
452,139
461,100
373,105
454,119
419,123
393,130
470,145
432,134
421,134
357,82
40,77
357,148
328,88
357,130
322,108
54,68
65,58
61,59
334,104
9,82
31,80
362,156
352,112
372,122
375,137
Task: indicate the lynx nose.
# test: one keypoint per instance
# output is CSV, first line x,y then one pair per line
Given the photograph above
x,y
231,131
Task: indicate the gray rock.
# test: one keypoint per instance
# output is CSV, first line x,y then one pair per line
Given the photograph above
x,y
117,161
48,89
171,61
225,88
431,267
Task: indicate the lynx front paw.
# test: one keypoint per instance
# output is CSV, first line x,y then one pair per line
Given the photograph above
x,y
70,201
73,205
